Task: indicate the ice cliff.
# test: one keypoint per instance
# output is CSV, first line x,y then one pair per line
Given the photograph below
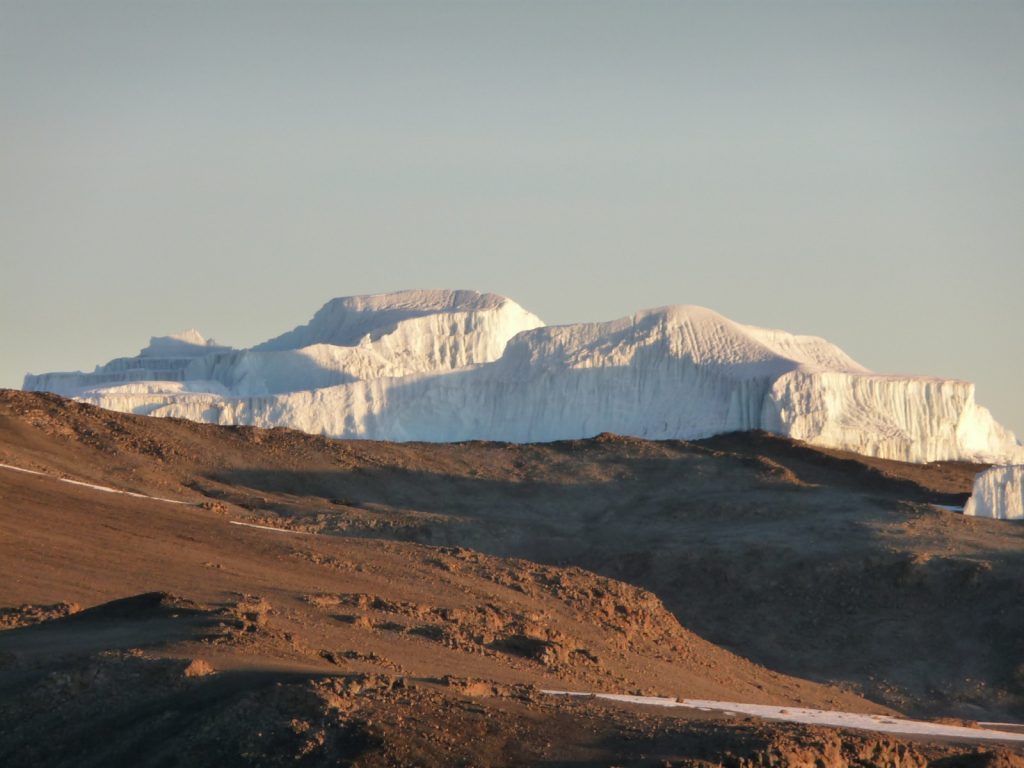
x,y
165,359
999,493
460,365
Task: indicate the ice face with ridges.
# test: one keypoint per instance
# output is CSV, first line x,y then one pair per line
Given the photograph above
x,y
428,330
892,417
165,358
373,337
998,493
457,365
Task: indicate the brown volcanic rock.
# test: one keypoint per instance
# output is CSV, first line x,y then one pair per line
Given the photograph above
x,y
326,649
772,548
25,615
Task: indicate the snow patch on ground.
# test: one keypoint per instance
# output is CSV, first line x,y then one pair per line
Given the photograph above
x,y
103,488
835,719
268,528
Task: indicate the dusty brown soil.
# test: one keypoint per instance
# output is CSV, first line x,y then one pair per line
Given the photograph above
x,y
144,633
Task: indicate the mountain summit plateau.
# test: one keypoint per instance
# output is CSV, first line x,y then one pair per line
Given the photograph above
x,y
448,365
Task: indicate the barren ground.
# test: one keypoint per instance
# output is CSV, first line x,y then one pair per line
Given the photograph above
x,y
426,593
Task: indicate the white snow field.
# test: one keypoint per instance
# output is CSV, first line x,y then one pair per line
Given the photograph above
x,y
998,493
460,365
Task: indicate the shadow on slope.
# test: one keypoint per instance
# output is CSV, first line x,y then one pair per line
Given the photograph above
x,y
819,566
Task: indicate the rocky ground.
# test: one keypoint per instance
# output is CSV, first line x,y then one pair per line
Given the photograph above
x,y
421,596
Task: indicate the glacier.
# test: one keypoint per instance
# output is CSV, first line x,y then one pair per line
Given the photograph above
x,y
448,365
998,493
164,359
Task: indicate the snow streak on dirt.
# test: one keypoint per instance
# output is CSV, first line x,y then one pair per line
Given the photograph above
x,y
104,488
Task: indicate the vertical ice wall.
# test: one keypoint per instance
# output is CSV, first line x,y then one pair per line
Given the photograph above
x,y
166,358
459,365
916,419
998,493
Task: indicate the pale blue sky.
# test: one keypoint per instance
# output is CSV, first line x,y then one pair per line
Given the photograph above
x,y
852,170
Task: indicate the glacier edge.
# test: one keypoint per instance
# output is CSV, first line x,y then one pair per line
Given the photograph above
x,y
458,365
